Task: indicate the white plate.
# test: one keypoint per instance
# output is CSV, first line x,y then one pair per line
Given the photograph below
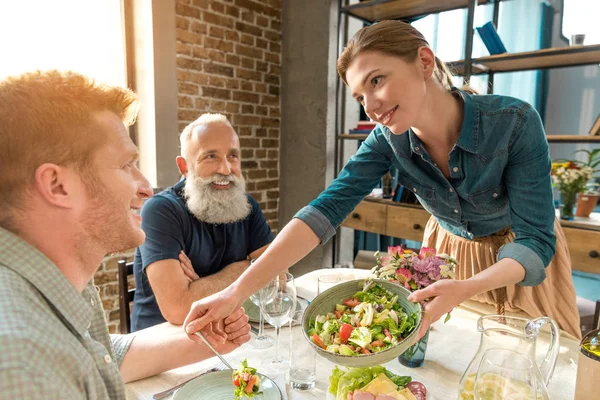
x,y
219,386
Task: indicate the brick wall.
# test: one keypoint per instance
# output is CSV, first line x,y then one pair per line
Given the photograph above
x,y
228,61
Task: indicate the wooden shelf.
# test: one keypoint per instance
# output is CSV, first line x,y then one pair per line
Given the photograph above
x,y
538,59
573,139
378,10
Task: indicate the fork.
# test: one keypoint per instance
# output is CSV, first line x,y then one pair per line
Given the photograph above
x,y
161,395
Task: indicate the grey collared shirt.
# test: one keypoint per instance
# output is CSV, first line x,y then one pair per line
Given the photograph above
x,y
54,343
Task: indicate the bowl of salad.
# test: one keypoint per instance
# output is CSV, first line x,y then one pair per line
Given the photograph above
x,y
362,323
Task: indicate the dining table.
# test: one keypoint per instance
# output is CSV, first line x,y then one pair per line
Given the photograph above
x,y
451,347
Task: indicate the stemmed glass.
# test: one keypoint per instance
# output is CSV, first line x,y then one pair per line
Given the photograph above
x,y
278,302
262,340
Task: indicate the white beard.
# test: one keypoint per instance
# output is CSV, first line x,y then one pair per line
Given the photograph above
x,y
216,206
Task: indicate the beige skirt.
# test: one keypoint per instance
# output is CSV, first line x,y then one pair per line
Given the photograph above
x,y
555,297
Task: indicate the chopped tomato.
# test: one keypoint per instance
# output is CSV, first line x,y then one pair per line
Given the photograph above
x,y
338,314
318,341
377,343
345,332
364,351
251,383
351,302
236,381
358,324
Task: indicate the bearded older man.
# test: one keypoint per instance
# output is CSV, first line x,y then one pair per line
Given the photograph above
x,y
202,232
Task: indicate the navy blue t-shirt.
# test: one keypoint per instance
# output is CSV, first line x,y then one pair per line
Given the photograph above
x,y
170,228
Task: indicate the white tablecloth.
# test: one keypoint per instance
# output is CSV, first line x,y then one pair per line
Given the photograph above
x,y
450,348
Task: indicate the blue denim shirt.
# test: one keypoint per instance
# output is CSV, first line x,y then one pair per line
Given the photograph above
x,y
500,177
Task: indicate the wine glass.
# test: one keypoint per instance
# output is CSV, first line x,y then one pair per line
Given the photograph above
x,y
278,302
261,340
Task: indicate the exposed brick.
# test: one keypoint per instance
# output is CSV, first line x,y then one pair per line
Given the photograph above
x,y
275,25
274,69
269,122
100,278
247,109
217,106
267,143
247,86
272,205
273,133
218,44
247,40
182,23
249,51
109,303
274,90
189,63
218,7
272,79
185,102
272,35
274,112
262,110
246,142
232,84
216,32
184,1
257,174
270,184
249,63
111,289
248,16
261,21
245,97
249,185
246,120
245,131
232,59
248,153
232,108
260,87
270,215
184,49
218,69
248,74
187,115
188,88
273,154
269,100
202,3
274,47
272,57
262,43
233,11
208,91
232,35
268,164
192,76
261,66
198,27
187,11
202,104
216,19
216,81
208,54
247,28
188,37
273,194
260,153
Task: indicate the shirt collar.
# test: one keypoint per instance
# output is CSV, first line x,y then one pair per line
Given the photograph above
x,y
25,260
469,131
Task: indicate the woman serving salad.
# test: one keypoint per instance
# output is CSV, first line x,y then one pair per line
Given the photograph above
x,y
371,321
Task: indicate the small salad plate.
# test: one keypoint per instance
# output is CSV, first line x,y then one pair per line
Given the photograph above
x,y
219,386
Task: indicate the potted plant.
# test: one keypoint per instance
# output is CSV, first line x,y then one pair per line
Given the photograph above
x,y
570,178
588,198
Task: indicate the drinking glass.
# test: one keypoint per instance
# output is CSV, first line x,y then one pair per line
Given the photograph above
x,y
261,340
278,302
303,359
325,282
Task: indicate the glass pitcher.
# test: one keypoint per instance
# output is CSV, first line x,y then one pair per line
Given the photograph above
x,y
505,374
516,334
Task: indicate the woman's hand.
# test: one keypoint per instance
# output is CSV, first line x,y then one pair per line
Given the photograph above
x,y
446,294
213,315
237,330
186,266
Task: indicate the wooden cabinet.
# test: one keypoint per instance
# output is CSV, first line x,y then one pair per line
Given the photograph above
x,y
408,222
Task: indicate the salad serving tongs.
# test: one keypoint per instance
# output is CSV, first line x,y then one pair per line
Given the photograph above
x,y
223,360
